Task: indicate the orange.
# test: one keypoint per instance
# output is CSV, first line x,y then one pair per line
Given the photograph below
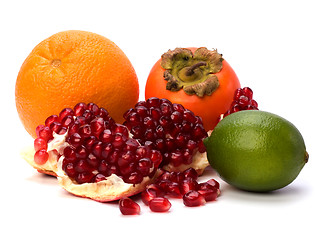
x,y
71,67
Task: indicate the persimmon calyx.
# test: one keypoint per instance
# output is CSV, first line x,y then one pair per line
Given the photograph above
x,y
194,73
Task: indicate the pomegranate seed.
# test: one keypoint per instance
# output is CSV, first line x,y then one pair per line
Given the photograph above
x,y
119,140
131,145
84,177
69,154
88,116
209,194
75,140
134,177
67,121
144,166
82,166
65,112
79,109
159,204
103,113
213,183
89,142
176,117
69,169
156,157
243,101
193,198
188,184
153,102
93,161
133,118
112,169
152,191
155,113
97,126
81,152
166,109
85,131
238,93
114,156
176,158
126,170
128,207
121,129
41,157
97,149
45,133
99,177
51,119
142,111
107,149
172,189
254,103
103,167
93,108
199,132
40,143
178,107
247,92
190,173
38,128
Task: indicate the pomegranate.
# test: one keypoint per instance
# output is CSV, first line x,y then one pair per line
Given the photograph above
x,y
95,157
92,155
171,129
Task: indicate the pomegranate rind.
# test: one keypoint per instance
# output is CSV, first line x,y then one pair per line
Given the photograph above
x,y
49,168
113,188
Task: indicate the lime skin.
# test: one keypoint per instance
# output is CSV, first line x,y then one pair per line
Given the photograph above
x,y
256,151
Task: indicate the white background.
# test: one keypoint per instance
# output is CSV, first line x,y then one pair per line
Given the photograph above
x,y
275,48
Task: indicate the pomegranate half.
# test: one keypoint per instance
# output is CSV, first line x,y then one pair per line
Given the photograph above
x,y
171,129
94,157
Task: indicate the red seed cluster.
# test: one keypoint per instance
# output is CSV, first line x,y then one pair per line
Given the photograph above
x,y
242,100
170,128
180,185
98,147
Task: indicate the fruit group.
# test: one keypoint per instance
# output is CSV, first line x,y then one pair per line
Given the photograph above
x,y
171,129
174,75
256,151
71,67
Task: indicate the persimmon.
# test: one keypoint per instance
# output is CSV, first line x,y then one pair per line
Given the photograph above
x,y
199,79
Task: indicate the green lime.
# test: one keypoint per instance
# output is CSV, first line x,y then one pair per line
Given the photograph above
x,y
256,151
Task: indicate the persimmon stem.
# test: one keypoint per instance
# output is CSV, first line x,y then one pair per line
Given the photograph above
x,y
190,70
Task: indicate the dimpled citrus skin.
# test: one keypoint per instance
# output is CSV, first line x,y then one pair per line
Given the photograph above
x,y
256,151
71,67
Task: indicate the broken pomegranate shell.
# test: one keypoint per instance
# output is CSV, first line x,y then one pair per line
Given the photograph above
x,y
93,156
171,129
